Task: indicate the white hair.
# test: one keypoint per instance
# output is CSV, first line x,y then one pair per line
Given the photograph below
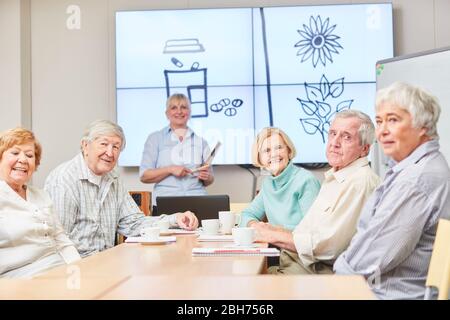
x,y
100,128
422,106
366,129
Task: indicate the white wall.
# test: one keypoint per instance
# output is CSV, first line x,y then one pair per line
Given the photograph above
x,y
70,77
73,80
15,106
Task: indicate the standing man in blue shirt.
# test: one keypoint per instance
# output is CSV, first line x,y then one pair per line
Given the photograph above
x,y
394,240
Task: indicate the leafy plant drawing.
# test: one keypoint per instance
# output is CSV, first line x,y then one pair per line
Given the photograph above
x,y
320,105
318,42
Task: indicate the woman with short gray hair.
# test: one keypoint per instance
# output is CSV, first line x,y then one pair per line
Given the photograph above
x,y
421,105
397,227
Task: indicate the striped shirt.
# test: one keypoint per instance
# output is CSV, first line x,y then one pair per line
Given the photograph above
x,y
395,235
93,208
162,149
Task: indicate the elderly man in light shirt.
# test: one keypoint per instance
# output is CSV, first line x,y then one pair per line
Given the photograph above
x,y
330,223
394,240
90,198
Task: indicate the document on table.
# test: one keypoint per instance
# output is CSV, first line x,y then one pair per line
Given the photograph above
x,y
236,251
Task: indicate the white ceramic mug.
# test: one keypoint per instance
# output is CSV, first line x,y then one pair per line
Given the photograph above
x,y
150,233
210,226
243,236
228,220
163,225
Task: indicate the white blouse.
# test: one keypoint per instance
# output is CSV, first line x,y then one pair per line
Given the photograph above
x,y
32,239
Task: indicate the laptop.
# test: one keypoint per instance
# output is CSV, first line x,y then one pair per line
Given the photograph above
x,y
204,207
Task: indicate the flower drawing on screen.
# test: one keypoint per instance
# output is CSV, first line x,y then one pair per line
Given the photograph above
x,y
318,44
321,104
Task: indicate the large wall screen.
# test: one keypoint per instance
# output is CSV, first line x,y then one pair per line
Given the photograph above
x,y
249,68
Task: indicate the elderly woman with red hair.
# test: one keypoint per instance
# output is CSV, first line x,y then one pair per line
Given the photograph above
x,y
32,239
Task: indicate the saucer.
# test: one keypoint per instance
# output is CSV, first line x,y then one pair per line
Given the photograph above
x,y
160,240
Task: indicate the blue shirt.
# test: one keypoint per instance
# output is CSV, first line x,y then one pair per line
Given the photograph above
x,y
163,148
284,199
395,235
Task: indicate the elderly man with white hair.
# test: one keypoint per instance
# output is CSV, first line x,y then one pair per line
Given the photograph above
x,y
90,198
395,235
330,222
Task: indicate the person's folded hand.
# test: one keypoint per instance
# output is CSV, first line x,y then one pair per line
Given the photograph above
x,y
187,220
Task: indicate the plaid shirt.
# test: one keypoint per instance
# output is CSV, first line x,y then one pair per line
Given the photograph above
x,y
93,208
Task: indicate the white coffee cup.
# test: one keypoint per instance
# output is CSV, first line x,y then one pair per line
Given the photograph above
x,y
243,236
150,233
163,225
228,220
210,226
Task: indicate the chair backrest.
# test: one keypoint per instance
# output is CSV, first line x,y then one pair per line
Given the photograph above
x,y
439,270
237,207
143,199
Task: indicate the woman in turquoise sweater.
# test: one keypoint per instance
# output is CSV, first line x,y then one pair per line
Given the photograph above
x,y
288,192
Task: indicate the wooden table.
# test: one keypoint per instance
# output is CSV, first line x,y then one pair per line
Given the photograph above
x,y
133,259
135,271
263,287
57,288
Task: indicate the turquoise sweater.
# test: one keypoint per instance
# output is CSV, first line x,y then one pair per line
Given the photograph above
x,y
284,199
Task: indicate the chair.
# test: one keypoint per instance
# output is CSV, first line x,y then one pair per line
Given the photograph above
x,y
143,199
237,207
439,270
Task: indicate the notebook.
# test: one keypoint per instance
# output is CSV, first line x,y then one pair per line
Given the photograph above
x,y
204,207
234,251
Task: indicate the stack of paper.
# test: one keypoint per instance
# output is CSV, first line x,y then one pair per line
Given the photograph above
x,y
236,251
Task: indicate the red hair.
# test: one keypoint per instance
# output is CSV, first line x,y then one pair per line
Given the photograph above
x,y
19,136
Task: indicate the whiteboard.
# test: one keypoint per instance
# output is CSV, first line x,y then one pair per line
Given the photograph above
x,y
429,70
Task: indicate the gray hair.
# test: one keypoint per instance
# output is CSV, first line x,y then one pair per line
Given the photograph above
x,y
366,130
99,128
422,106
178,97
